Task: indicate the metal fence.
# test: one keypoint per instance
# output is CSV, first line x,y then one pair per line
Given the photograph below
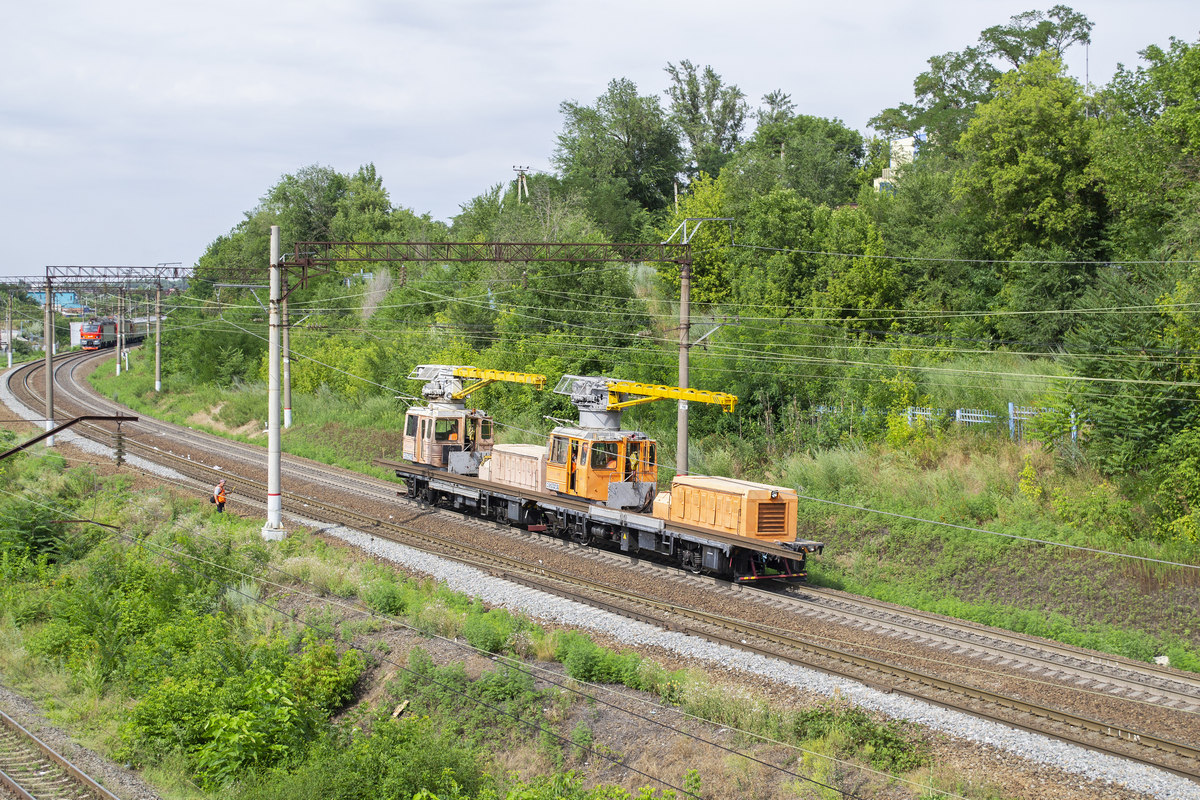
x,y
1015,420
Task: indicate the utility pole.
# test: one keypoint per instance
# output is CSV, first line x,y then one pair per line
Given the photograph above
x,y
158,338
48,347
273,531
522,184
120,335
8,328
287,360
685,332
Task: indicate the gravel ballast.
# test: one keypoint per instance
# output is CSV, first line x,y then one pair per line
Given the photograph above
x,y
543,606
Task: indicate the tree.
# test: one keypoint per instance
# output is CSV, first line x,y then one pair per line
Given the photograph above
x,y
305,204
710,114
1026,179
956,82
1029,34
818,158
622,154
946,97
1146,151
777,107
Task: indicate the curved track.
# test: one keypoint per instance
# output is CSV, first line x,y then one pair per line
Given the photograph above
x,y
1105,703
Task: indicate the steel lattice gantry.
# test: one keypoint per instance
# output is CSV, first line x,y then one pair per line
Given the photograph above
x,y
310,255
307,255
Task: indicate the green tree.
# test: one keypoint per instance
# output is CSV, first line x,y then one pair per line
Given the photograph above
x,y
818,158
947,94
946,97
1146,150
622,154
305,203
1026,180
710,114
1031,33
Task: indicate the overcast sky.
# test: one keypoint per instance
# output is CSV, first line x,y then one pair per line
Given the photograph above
x,y
134,133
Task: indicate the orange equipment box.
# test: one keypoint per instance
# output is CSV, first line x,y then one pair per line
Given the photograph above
x,y
741,508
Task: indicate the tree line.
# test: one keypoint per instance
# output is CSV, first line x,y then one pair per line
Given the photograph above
x,y
1043,226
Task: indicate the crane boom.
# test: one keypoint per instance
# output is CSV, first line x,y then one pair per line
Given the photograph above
x,y
602,394
445,382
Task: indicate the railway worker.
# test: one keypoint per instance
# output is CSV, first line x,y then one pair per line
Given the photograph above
x,y
219,495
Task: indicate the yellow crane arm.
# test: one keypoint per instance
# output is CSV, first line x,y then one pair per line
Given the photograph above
x,y
486,376
649,392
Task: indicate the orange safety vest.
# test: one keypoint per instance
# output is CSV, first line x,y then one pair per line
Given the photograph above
x,y
220,495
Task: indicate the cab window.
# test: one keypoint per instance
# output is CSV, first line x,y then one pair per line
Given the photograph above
x,y
559,448
410,428
485,429
605,455
445,430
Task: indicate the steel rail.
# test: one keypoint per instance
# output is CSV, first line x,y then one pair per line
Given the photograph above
x,y
33,743
309,507
512,568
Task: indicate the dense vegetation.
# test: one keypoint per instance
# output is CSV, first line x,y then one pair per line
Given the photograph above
x,y
176,641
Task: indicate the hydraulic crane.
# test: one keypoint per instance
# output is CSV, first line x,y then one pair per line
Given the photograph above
x,y
446,434
599,461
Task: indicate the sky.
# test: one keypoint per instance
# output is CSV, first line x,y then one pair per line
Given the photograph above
x,y
135,133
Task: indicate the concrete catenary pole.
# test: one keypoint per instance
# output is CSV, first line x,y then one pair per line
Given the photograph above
x,y
685,328
287,359
118,343
158,338
273,530
8,328
48,347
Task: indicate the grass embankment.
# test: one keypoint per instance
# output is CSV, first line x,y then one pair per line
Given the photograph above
x,y
1134,608
228,667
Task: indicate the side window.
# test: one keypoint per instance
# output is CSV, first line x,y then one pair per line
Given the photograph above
x,y
558,450
604,455
485,429
410,426
652,458
446,430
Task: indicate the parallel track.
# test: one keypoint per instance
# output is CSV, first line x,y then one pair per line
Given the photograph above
x,y
1100,674
30,768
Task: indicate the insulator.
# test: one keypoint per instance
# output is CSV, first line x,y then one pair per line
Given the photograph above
x,y
119,446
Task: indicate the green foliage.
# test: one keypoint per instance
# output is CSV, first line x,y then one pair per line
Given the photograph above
x,y
710,114
1026,178
587,661
491,631
622,154
1177,475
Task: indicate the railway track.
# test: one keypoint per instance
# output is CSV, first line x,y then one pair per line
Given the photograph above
x,y
32,770
1105,703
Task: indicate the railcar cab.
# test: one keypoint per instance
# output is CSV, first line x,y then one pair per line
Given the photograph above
x,y
447,438
446,434
615,468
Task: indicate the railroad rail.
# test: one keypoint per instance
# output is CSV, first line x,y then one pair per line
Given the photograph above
x,y
1102,735
32,770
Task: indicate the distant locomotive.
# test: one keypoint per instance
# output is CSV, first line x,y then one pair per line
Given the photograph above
x,y
97,334
594,483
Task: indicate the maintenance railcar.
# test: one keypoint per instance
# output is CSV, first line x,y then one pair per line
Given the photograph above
x,y
595,483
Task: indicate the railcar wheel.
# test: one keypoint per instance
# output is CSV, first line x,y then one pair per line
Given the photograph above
x,y
691,560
